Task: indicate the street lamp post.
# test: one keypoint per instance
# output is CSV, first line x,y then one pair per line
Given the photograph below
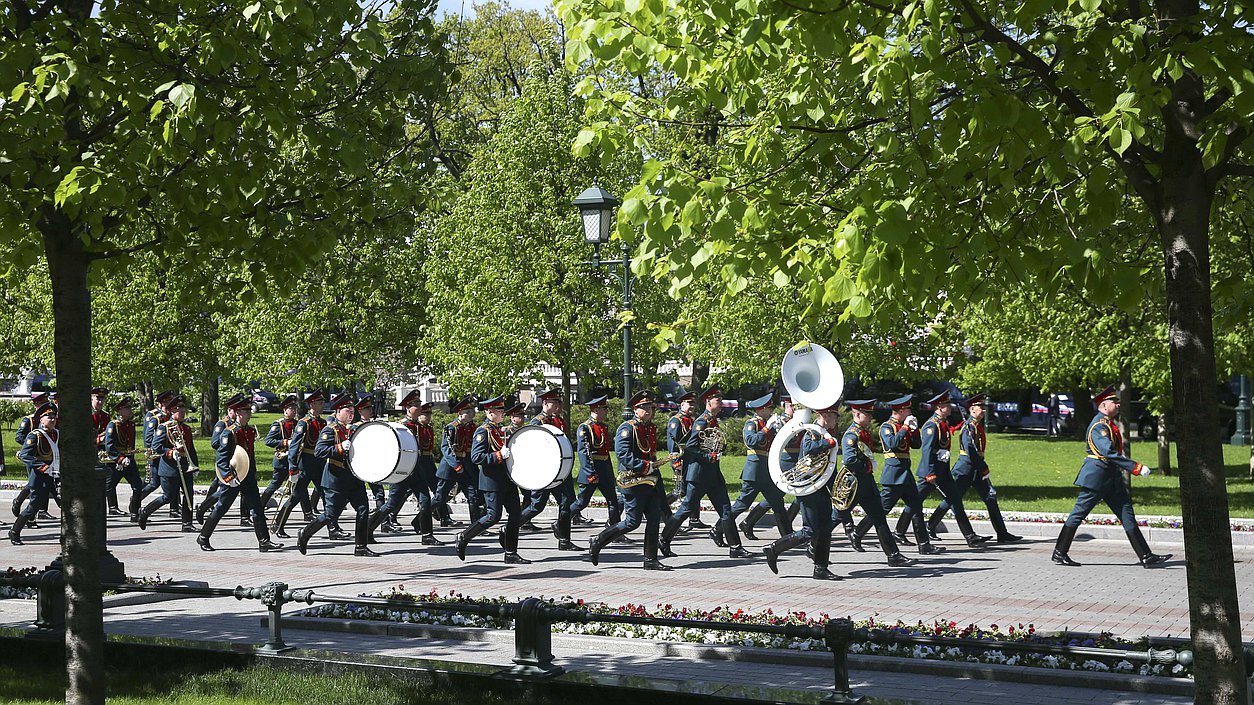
x,y
596,210
1242,435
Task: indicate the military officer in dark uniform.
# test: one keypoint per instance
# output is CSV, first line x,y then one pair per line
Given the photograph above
x,y
24,427
239,433
971,471
418,420
1101,480
705,479
678,428
119,448
898,435
339,485
39,448
159,414
635,444
593,446
489,452
177,463
816,507
99,421
279,437
856,444
455,469
564,494
215,485
301,459
365,412
933,470
755,478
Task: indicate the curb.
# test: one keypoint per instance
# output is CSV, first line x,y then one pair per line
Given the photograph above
x,y
784,657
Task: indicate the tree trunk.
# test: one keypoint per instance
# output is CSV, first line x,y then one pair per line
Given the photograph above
x,y
146,395
209,406
81,506
1183,214
1083,411
1164,446
700,372
565,367
1252,461
1125,414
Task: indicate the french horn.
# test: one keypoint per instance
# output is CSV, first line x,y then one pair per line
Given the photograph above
x,y
814,378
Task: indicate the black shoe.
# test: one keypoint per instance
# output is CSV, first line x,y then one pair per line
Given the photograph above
x,y
854,541
683,530
747,530
134,518
245,521
387,528
1061,558
15,538
45,516
115,512
500,538
928,549
515,559
431,540
931,533
529,528
771,558
738,552
975,540
462,542
565,545
822,573
717,537
902,539
32,525
190,529
623,540
1008,538
696,523
282,534
664,548
1150,560
656,565
339,535
203,542
899,561
365,552
267,545
450,523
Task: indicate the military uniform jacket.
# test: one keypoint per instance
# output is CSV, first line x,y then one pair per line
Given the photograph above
x,y
971,441
814,442
791,451
677,431
546,420
635,444
897,440
152,420
119,442
424,433
163,443
758,440
23,429
300,451
593,447
485,451
36,450
99,422
218,428
851,454
699,462
1104,465
329,449
231,436
280,430
455,449
934,437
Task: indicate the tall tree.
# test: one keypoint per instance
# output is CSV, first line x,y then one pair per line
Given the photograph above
x,y
884,152
237,131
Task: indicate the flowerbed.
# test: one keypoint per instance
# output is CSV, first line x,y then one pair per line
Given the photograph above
x,y
1017,633
15,593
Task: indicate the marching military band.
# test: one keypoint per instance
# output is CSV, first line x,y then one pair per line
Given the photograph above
x,y
473,459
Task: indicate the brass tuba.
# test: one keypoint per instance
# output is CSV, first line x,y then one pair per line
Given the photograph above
x,y
815,380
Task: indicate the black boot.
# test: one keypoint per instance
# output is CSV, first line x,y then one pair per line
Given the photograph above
x,y
716,534
1065,537
920,532
756,512
280,518
775,548
186,514
15,531
148,510
203,508
206,530
822,549
651,545
793,510
512,558
362,533
934,521
264,544
112,499
1148,558
887,544
464,538
133,508
307,532
428,529
669,529
372,523
601,540
855,538
899,561
975,540
19,500
783,527
734,547
416,524
335,533
563,530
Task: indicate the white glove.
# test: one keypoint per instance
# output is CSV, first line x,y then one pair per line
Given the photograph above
x,y
775,423
347,445
912,422
177,456
1142,470
942,455
505,453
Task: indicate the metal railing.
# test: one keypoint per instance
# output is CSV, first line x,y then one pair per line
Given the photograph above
x,y
534,619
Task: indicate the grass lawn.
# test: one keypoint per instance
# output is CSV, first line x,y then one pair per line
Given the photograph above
x,y
40,684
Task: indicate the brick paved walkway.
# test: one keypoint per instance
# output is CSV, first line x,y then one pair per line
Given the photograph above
x,y
997,585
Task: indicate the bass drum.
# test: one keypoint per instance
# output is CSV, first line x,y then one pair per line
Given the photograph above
x,y
382,451
541,457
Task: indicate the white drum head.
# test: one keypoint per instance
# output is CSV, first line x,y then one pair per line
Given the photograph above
x,y
377,454
536,458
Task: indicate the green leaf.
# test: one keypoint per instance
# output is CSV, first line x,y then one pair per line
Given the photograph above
x,y
1120,139
181,94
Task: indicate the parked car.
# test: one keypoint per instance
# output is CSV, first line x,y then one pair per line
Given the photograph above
x,y
1028,410
265,400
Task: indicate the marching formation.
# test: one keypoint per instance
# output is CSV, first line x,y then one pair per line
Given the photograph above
x,y
504,471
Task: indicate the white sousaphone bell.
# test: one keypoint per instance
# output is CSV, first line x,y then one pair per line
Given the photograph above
x,y
815,380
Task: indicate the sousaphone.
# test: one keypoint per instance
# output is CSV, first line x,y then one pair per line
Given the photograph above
x,y
815,380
